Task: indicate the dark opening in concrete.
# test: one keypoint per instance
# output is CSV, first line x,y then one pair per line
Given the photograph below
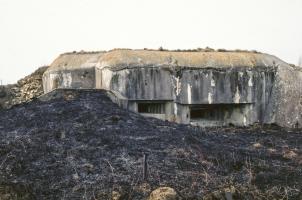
x,y
56,83
208,112
158,108
218,114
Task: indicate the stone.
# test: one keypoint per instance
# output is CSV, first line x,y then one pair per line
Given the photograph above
x,y
164,193
116,195
23,91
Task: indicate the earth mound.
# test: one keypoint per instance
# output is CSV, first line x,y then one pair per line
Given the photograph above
x,y
80,145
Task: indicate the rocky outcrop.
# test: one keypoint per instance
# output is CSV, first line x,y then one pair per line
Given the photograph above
x,y
24,90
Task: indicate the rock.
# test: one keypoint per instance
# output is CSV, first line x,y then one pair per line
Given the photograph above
x,y
116,195
25,90
164,193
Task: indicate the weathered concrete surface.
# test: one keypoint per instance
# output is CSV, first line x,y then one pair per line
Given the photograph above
x,y
287,99
76,78
246,87
72,70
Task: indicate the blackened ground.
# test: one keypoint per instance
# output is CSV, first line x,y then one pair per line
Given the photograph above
x,y
83,146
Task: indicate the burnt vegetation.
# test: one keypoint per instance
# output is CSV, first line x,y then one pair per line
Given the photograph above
x,y
83,146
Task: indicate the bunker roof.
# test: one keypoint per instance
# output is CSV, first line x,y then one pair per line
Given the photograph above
x,y
126,58
76,60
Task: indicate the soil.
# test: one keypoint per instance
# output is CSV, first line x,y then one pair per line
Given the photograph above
x,y
83,146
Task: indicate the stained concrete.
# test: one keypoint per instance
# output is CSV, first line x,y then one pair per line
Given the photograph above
x,y
244,87
76,78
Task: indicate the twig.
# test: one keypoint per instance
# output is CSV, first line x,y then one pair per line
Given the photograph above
x,y
110,166
4,160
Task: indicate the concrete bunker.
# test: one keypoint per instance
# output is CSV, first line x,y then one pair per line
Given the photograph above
x,y
202,88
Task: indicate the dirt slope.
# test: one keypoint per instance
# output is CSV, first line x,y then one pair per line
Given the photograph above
x,y
82,146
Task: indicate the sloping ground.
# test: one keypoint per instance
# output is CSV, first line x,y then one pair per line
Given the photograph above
x,y
82,146
23,91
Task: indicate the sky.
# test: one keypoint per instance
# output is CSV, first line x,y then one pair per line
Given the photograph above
x,y
34,32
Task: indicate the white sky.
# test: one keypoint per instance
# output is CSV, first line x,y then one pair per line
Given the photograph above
x,y
35,32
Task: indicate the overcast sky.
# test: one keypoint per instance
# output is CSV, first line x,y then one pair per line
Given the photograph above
x,y
35,32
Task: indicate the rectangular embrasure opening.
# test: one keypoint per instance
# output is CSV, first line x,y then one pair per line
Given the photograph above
x,y
214,112
208,112
158,108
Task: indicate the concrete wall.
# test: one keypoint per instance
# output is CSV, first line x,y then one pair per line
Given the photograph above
x,y
286,100
138,83
249,89
76,78
212,86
